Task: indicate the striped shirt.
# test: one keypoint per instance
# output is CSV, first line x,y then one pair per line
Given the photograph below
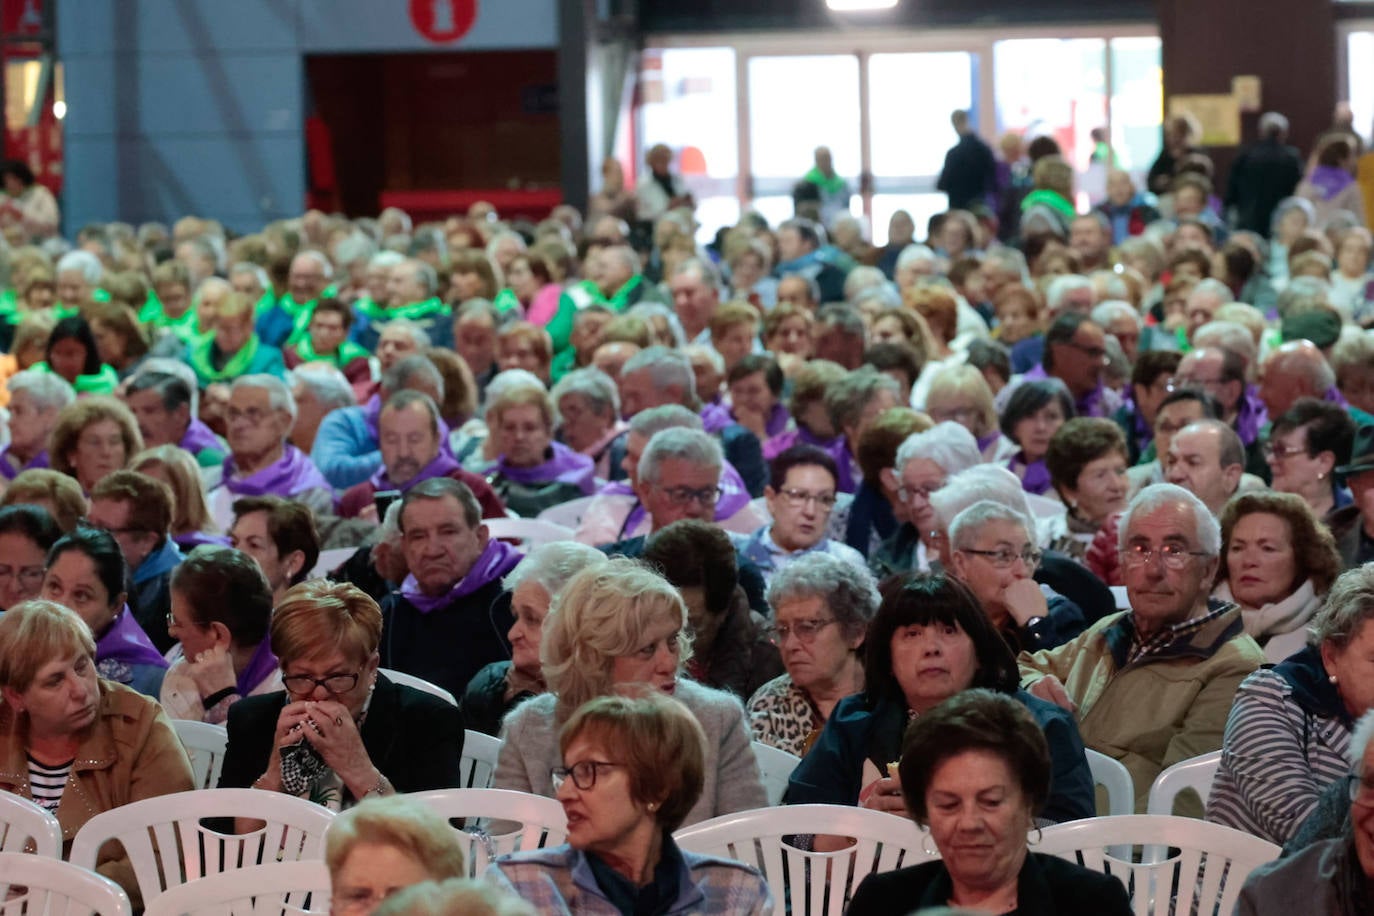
x,y
47,783
1174,632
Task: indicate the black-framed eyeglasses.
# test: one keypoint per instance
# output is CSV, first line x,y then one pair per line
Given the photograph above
x,y
1003,557
303,684
798,499
583,773
1173,556
681,496
804,630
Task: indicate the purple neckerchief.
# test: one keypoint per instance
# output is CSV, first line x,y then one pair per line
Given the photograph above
x,y
1035,477
260,666
126,642
200,437
734,496
293,473
190,540
372,412
1330,180
494,562
1250,416
7,469
562,466
1333,396
715,417
1087,406
986,442
441,466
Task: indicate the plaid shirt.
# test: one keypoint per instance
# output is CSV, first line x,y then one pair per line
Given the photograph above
x,y
1174,632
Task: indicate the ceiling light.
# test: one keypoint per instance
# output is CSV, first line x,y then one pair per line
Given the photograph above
x,y
856,6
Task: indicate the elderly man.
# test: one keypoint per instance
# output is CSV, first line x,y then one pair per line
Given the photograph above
x,y
250,281
280,535
261,461
1207,459
587,405
1295,370
78,280
36,399
408,433
161,403
1067,295
474,339
840,336
1076,354
695,286
1353,525
1221,373
800,498
1090,237
658,376
319,390
450,617
1202,304
1153,686
613,280
234,349
799,291
310,278
137,510
412,293
346,449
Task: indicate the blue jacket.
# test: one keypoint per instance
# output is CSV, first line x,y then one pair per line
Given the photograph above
x,y
345,450
151,597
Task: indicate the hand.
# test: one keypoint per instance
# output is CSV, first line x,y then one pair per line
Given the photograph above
x,y
1024,599
287,734
1049,688
369,513
212,670
328,726
886,795
752,420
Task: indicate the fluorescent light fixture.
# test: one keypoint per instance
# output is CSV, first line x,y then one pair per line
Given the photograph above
x,y
858,6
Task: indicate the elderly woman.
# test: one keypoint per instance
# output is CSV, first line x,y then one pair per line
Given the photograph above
x,y
730,646
521,345
1305,446
588,406
499,687
191,524
27,533
36,401
531,283
533,472
221,604
340,732
612,628
1087,462
469,896
71,741
807,407
72,354
384,845
120,340
92,438
1278,562
631,771
1033,414
55,493
823,662
87,573
974,772
1288,734
853,403
961,394
929,641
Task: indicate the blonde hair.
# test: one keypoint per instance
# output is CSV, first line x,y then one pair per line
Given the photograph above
x,y
732,314
34,633
965,381
319,615
192,512
599,616
403,824
74,419
469,896
520,396
46,487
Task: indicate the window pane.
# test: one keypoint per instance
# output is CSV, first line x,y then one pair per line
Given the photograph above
x,y
1360,57
911,97
1137,103
921,207
795,105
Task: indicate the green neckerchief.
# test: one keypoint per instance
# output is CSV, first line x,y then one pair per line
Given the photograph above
x,y
61,311
102,382
620,300
413,310
302,312
237,365
370,308
9,302
100,295
1052,199
832,185
347,352
265,303
506,302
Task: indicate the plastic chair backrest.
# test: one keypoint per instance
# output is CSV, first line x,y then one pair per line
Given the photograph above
x,y
419,683
1195,773
205,744
531,531
1112,775
274,889
510,821
775,766
1201,871
568,514
55,888
814,883
168,828
24,824
478,764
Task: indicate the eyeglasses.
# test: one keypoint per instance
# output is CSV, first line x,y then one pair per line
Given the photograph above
x,y
1177,383
799,498
1281,453
960,415
254,415
303,684
804,630
29,576
681,496
1173,556
583,773
907,494
1098,354
1002,558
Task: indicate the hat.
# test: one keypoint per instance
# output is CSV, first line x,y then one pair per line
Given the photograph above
x,y
1362,454
1321,326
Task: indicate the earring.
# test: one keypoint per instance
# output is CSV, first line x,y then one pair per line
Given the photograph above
x,y
653,806
1332,679
1038,837
925,844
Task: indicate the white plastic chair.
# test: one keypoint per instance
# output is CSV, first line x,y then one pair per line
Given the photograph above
x,y
814,883
330,560
259,890
45,886
568,514
169,826
1112,775
1044,506
1203,872
22,822
205,744
511,821
478,763
1195,773
532,531
775,766
419,683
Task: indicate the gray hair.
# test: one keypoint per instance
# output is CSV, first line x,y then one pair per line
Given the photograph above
x,y
1214,287
418,335
667,368
1160,495
259,275
1272,124
500,236
398,377
948,444
916,254
1062,286
1353,350
648,310
509,380
885,295
551,565
326,384
983,482
386,259
594,386
970,521
1359,740
1107,312
390,531
711,355
83,261
1349,606
356,247
1302,294
1009,259
181,370
847,590
667,416
427,276
702,268
1227,335
845,400
319,257
279,396
861,278
689,445
47,390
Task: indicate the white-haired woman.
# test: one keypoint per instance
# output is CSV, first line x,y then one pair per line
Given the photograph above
x,y
614,629
924,463
587,404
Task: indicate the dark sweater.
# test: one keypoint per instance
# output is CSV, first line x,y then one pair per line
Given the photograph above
x,y
449,645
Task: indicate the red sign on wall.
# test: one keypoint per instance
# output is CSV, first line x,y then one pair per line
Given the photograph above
x,y
443,21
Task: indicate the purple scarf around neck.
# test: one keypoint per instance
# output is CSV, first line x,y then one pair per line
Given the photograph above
x,y
7,468
200,437
441,466
1035,477
259,667
494,562
715,417
1250,415
1330,180
126,642
293,473
563,466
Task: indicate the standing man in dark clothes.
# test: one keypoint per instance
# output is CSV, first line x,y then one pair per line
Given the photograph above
x,y
1264,173
970,171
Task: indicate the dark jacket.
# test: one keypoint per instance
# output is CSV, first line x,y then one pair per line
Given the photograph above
x,y
869,513
1262,175
449,645
484,703
970,172
1047,885
742,659
1356,547
359,570
414,739
750,579
150,599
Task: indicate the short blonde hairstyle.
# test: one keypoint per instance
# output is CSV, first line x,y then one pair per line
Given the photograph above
x,y
732,314
191,511
232,306
33,331
401,823
599,616
34,633
1054,173
965,381
520,396
319,615
535,336
469,896
74,419
46,487
1245,315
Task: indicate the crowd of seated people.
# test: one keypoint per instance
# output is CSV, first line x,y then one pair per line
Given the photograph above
x,y
1019,471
